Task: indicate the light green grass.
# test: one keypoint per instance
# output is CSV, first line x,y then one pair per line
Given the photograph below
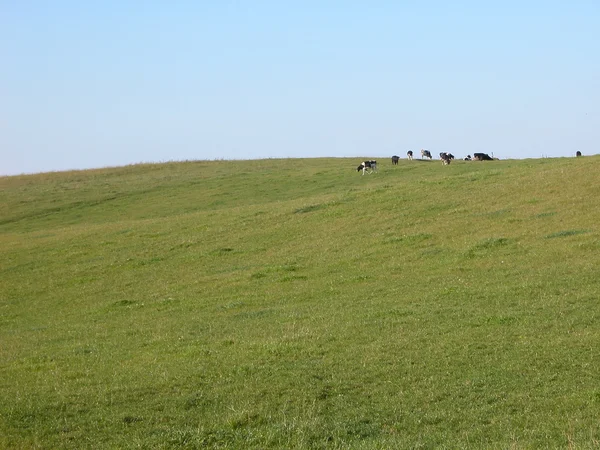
x,y
299,304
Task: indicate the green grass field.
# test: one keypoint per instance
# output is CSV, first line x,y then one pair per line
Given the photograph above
x,y
298,304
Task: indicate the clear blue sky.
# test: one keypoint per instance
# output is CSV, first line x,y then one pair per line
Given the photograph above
x,y
96,84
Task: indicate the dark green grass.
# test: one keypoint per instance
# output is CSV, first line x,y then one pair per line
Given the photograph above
x,y
298,304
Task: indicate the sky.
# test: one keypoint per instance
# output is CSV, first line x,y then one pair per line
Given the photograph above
x,y
111,83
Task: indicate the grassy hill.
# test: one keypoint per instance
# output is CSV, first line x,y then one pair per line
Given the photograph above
x,y
299,304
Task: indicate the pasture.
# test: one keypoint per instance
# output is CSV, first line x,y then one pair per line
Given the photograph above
x,y
298,304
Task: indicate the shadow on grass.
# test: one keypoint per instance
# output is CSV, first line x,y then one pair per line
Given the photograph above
x,y
566,233
486,246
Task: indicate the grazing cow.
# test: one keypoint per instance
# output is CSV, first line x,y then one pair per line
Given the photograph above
x,y
409,154
482,157
425,154
367,166
395,159
468,158
446,158
578,153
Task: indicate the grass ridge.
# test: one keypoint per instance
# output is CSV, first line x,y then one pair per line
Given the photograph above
x,y
298,304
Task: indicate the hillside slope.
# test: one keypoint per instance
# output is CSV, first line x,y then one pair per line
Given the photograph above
x,y
299,304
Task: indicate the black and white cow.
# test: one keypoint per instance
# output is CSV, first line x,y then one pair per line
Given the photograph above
x,y
482,157
578,153
395,159
409,154
367,166
446,158
425,154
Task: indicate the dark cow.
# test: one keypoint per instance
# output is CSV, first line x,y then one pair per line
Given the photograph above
x,y
425,154
367,166
446,158
395,159
482,157
578,153
409,154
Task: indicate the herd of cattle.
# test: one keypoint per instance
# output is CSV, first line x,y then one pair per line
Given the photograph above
x,y
446,158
